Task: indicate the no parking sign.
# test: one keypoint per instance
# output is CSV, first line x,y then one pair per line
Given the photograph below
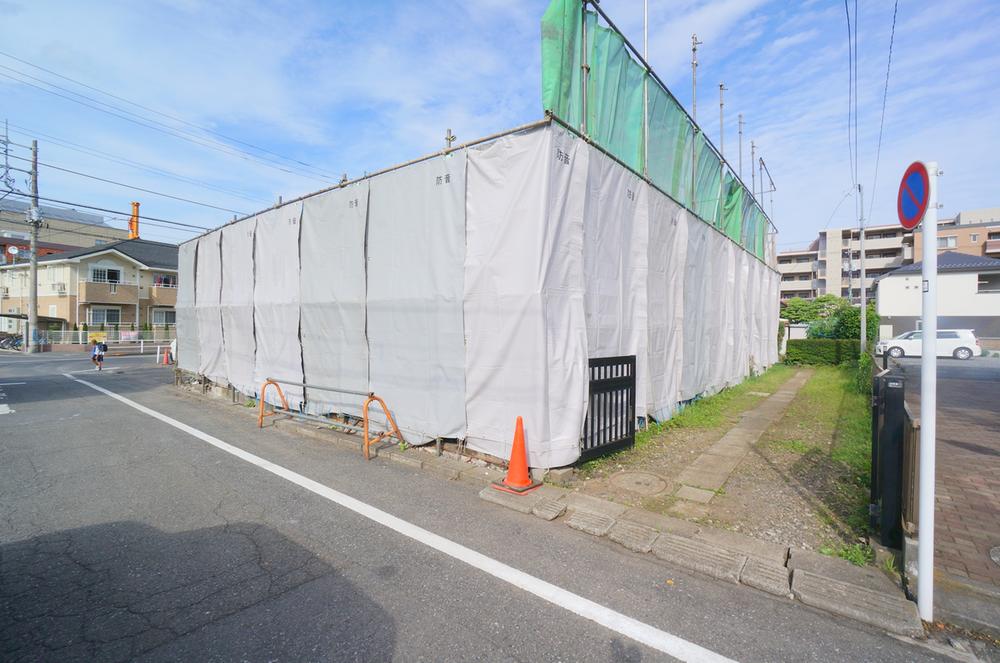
x,y
914,194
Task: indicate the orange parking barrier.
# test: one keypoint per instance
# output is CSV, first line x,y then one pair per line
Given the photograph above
x,y
390,424
393,430
263,392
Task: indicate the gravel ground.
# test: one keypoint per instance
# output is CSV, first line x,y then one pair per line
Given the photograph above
x,y
792,497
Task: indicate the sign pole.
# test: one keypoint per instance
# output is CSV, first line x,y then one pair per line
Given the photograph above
x,y
928,405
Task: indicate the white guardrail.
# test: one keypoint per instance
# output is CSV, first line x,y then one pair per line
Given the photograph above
x,y
159,336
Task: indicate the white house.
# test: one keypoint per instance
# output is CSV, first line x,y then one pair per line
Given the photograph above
x,y
968,296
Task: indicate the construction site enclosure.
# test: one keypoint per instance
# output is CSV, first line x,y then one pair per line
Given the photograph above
x,y
473,286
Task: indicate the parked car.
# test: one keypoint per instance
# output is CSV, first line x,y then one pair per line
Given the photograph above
x,y
957,343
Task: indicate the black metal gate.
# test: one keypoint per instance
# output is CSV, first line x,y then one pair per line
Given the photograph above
x,y
610,423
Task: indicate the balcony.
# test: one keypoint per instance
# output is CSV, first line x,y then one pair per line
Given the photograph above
x,y
796,285
878,244
993,247
108,292
162,295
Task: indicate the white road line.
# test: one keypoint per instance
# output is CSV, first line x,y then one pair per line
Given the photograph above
x,y
10,384
5,409
632,628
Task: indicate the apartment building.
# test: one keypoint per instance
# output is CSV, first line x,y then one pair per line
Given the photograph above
x,y
975,233
832,263
131,282
59,225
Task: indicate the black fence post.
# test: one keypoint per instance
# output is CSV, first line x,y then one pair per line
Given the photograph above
x,y
873,505
890,461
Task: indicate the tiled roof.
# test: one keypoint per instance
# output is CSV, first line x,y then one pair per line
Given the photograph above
x,y
952,261
152,254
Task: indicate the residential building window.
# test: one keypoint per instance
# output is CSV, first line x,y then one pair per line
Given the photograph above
x,y
105,275
53,311
973,237
165,280
164,316
993,235
104,315
949,242
989,283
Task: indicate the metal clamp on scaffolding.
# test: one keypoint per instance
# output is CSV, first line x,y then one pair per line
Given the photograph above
x,y
365,428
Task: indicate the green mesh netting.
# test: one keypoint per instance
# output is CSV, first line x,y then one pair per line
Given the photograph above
x,y
614,121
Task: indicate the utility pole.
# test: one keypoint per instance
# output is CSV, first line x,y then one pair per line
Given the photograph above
x,y
694,116
864,312
722,153
449,139
722,143
741,144
34,218
645,90
753,173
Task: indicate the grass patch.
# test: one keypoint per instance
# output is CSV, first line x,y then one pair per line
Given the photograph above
x,y
795,446
723,407
857,554
829,426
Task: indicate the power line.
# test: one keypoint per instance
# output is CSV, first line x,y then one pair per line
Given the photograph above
x,y
130,186
57,231
160,113
850,89
885,94
83,149
112,211
164,128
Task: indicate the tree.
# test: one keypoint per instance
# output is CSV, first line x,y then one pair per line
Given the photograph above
x,y
799,310
829,305
848,323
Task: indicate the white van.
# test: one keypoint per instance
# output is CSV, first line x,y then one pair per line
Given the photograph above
x,y
957,343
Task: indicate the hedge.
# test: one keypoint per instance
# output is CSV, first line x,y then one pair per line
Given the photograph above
x,y
821,351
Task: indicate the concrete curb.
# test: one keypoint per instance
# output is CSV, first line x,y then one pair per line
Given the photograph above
x,y
730,557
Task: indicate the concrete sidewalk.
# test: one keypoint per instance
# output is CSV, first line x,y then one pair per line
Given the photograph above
x,y
710,471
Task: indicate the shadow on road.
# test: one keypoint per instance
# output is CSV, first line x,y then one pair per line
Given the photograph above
x,y
124,590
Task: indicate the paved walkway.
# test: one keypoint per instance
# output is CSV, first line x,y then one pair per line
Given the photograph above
x,y
967,520
701,480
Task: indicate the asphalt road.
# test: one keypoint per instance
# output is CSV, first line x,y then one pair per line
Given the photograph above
x,y
125,538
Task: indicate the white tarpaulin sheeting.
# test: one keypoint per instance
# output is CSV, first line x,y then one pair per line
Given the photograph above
x,y
416,252
668,230
334,346
615,239
188,343
525,329
472,288
207,310
237,304
276,301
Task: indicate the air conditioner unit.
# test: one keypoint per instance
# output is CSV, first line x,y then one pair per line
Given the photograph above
x,y
59,287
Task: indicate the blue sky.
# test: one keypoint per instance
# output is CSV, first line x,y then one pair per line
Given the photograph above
x,y
351,87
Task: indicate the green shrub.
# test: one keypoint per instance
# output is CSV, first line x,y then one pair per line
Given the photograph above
x,y
821,351
863,376
849,322
823,328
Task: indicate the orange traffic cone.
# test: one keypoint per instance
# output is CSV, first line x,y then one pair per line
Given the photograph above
x,y
166,356
518,480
